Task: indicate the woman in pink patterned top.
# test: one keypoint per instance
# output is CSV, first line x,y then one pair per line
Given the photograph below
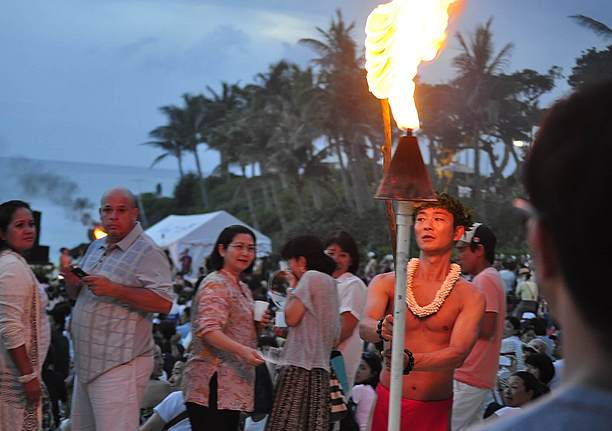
x,y
219,378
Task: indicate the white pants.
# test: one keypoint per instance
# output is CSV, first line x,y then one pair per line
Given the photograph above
x,y
112,400
469,404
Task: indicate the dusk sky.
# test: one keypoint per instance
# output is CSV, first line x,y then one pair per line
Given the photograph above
x,y
83,81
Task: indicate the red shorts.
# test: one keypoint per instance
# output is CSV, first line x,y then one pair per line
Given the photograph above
x,y
416,415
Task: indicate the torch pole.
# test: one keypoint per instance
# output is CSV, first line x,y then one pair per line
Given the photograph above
x,y
404,226
386,148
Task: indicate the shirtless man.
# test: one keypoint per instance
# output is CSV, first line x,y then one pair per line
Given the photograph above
x,y
439,341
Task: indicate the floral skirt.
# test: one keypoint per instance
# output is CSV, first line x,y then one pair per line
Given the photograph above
x,y
301,401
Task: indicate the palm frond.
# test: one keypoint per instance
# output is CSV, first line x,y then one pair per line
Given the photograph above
x,y
596,26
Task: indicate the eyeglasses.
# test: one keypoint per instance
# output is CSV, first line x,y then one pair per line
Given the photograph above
x,y
244,247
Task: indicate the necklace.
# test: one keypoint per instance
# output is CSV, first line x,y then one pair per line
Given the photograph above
x,y
441,294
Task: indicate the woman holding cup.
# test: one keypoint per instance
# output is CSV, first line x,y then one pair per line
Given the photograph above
x,y
219,377
301,402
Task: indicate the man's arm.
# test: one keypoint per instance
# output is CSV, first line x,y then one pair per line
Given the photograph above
x,y
376,306
137,297
493,290
489,325
463,337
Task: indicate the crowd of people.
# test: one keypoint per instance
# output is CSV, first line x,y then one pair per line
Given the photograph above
x,y
126,340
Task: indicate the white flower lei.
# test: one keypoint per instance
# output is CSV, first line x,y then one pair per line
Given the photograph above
x,y
441,294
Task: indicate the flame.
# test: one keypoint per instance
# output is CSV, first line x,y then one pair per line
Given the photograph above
x,y
98,232
399,36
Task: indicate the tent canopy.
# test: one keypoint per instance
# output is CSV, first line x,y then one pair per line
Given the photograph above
x,y
198,233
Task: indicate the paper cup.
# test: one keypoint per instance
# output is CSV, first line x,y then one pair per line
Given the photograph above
x,y
279,321
259,308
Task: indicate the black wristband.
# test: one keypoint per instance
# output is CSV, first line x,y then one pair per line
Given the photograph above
x,y
410,366
379,329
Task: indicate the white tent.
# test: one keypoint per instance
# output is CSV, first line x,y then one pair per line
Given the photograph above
x,y
198,233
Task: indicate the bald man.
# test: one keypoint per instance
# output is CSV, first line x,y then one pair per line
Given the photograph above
x,y
128,278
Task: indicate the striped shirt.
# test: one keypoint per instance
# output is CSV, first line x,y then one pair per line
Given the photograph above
x,y
108,333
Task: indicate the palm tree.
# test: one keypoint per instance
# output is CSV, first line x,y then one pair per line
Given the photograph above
x,y
478,67
186,124
222,110
166,140
349,109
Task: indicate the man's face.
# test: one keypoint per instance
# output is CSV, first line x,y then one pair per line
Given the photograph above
x,y
468,258
118,215
434,230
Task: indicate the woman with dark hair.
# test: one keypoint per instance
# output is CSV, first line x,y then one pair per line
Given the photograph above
x,y
522,388
363,394
301,402
352,295
24,326
219,379
541,366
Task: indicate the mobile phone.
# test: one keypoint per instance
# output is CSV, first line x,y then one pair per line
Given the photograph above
x,y
76,270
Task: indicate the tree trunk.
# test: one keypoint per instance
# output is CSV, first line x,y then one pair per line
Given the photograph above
x,y
477,180
283,180
346,187
278,207
316,195
296,189
265,196
223,164
361,192
179,159
252,211
200,177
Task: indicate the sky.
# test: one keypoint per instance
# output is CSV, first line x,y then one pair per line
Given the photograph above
x,y
82,81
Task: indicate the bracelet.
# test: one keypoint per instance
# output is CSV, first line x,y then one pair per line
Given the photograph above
x,y
410,366
379,329
27,378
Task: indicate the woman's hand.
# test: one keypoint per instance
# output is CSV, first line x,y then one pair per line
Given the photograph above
x,y
32,391
291,278
250,356
266,319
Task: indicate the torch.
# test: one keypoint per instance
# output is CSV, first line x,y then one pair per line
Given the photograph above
x,y
399,36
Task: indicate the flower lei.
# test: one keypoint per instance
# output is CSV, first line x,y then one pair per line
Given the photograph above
x,y
441,294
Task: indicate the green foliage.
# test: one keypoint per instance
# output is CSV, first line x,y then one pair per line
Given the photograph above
x,y
592,67
300,152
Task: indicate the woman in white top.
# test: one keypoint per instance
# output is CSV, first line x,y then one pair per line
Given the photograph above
x,y
512,345
363,395
24,326
352,295
301,401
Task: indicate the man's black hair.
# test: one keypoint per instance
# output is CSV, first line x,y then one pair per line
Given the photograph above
x,y
462,216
